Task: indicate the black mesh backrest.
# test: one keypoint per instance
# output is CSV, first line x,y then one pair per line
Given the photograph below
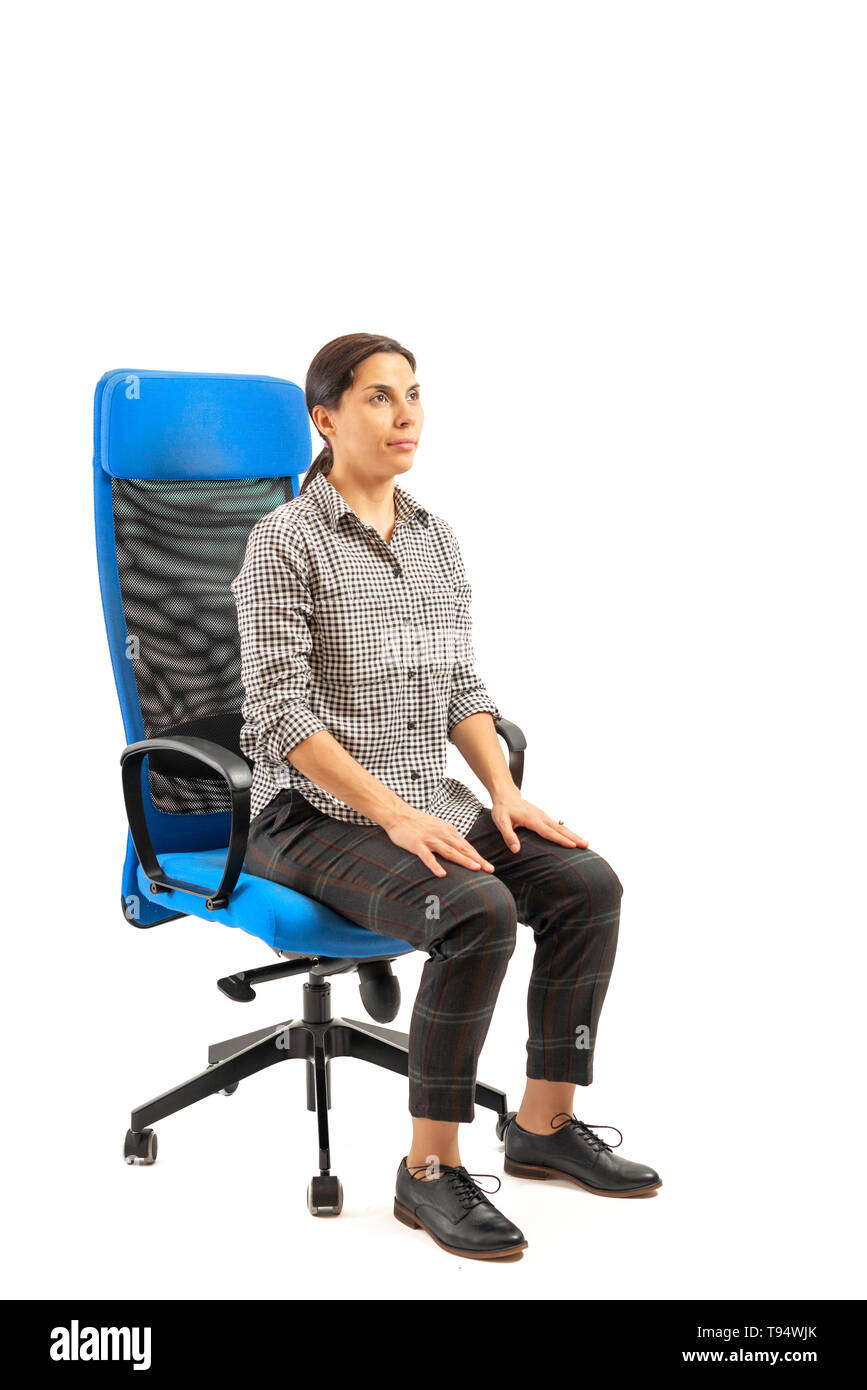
x,y
179,546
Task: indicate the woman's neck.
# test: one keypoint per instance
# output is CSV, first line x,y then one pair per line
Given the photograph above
x,y
373,502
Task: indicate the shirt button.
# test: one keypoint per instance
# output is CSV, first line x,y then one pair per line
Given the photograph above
x,y
414,775
411,675
411,724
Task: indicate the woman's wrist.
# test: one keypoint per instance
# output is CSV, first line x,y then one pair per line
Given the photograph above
x,y
503,786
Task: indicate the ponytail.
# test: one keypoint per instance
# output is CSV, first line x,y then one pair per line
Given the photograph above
x,y
321,464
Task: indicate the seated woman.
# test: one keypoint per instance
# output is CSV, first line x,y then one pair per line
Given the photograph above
x,y
354,615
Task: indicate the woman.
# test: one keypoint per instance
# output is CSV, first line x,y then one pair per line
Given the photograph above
x,y
353,610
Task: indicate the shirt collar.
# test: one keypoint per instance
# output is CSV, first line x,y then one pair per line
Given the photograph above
x,y
333,506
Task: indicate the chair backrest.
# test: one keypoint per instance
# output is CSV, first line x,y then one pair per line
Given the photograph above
x,y
184,466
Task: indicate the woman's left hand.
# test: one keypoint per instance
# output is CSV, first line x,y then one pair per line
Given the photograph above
x,y
510,809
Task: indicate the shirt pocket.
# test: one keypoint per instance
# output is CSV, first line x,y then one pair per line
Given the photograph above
x,y
435,645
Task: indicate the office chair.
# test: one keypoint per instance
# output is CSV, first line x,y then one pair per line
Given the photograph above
x,y
184,466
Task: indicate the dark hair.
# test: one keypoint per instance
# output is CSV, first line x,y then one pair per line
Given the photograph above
x,y
332,372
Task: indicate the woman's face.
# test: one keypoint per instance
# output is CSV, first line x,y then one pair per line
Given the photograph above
x,y
382,406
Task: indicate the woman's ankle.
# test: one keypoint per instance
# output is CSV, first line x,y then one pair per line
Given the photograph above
x,y
535,1124
430,1168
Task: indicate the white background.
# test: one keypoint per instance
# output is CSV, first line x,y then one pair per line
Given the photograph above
x,y
626,244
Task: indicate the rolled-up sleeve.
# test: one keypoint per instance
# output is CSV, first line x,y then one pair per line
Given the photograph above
x,y
468,693
274,602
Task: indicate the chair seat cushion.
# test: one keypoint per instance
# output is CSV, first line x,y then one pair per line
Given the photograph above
x,y
278,915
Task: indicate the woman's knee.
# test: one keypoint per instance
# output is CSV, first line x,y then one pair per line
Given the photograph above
x,y
593,879
483,916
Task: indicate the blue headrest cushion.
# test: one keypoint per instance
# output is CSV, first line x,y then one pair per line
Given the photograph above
x,y
198,425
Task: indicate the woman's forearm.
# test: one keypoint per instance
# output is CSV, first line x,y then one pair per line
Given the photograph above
x,y
327,763
476,740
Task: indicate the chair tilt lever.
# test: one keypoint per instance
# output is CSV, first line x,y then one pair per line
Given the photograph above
x,y
240,986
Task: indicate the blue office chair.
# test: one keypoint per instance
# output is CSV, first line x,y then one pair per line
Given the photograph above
x,y
184,466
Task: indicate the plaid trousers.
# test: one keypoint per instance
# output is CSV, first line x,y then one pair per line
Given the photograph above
x,y
467,922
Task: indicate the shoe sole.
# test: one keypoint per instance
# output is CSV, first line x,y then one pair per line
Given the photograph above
x,y
524,1170
407,1218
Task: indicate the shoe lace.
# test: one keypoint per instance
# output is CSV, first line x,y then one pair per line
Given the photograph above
x,y
586,1132
468,1191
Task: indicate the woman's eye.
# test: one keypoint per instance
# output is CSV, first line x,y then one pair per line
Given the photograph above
x,y
380,395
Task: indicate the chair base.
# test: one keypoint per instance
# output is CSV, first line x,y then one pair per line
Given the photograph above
x,y
317,1037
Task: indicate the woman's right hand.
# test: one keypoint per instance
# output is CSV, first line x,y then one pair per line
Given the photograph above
x,y
423,834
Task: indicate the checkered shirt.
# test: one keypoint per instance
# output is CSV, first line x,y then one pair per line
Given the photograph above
x,y
369,640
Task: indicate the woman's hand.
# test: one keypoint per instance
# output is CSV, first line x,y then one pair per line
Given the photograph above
x,y
424,834
509,809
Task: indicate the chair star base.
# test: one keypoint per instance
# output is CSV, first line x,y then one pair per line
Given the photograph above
x,y
317,1037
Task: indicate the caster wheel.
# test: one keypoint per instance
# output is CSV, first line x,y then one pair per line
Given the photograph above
x,y
140,1147
325,1196
503,1122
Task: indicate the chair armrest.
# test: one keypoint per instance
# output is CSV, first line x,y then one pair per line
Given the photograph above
x,y
237,776
516,743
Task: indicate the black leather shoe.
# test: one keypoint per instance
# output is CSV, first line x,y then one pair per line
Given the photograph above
x,y
573,1151
456,1213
